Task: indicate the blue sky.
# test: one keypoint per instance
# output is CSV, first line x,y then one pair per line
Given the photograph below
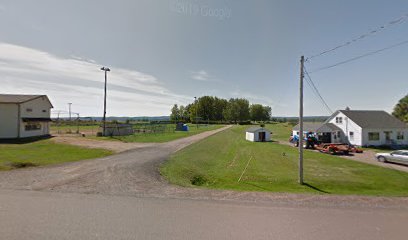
x,y
168,51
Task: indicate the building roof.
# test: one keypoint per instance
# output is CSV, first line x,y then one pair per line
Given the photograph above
x,y
256,129
372,119
317,127
13,98
20,98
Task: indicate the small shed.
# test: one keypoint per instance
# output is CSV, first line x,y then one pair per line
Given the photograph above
x,y
258,134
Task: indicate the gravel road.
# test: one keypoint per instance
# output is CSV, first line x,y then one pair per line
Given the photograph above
x,y
135,172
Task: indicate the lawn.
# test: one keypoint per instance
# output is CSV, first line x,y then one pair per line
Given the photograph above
x,y
218,162
44,152
74,128
163,137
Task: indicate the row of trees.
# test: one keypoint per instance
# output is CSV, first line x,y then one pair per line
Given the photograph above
x,y
209,108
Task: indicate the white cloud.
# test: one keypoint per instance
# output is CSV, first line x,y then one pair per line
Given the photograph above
x,y
200,75
79,80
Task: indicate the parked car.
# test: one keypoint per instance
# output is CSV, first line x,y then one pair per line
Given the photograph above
x,y
400,156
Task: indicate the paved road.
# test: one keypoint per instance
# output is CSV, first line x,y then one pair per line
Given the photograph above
x,y
45,215
124,197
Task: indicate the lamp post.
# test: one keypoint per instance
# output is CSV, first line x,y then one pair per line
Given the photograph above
x,y
105,69
69,107
196,107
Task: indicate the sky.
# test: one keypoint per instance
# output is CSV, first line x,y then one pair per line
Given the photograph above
x,y
163,52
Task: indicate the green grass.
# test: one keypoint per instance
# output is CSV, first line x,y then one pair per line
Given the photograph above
x,y
162,137
218,161
73,128
44,152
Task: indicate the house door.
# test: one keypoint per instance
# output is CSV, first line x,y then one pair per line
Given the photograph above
x,y
262,136
387,137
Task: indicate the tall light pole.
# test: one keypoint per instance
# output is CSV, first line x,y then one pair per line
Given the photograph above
x,y
196,107
69,107
105,69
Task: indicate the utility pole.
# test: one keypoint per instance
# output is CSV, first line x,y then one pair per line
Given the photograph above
x,y
302,61
196,107
105,69
69,107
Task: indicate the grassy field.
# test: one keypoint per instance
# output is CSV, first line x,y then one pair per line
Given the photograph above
x,y
44,152
163,137
82,128
273,167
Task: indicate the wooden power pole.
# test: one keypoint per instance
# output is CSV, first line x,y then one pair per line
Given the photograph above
x,y
302,61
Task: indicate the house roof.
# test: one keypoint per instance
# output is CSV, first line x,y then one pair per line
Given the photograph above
x,y
13,98
317,127
255,129
372,119
19,98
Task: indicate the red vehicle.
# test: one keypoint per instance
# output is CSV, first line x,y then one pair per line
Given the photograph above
x,y
334,148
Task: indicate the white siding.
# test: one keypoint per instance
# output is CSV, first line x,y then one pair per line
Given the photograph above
x,y
36,108
250,136
382,140
254,137
348,126
8,120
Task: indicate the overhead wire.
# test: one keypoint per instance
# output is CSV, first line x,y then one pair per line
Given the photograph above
x,y
396,21
360,56
316,91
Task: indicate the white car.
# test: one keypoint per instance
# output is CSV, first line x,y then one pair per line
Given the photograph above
x,y
400,156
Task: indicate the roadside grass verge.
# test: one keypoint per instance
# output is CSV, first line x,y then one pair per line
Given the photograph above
x,y
218,162
162,137
44,152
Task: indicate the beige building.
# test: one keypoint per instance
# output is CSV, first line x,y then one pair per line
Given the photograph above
x,y
24,116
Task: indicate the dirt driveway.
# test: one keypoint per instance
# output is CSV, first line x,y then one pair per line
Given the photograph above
x,y
135,173
366,157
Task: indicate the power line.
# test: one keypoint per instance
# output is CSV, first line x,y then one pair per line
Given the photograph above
x,y
361,56
316,91
396,21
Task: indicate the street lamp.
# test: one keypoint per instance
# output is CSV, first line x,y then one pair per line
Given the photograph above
x,y
105,69
196,107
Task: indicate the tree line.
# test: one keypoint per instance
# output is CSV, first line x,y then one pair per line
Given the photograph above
x,y
214,109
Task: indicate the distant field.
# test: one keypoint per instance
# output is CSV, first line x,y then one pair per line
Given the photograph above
x,y
218,162
169,135
44,152
82,128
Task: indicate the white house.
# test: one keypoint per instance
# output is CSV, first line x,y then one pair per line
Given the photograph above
x,y
325,132
258,134
369,128
24,116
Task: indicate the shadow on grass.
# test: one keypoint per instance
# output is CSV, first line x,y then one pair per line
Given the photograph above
x,y
315,188
25,140
254,185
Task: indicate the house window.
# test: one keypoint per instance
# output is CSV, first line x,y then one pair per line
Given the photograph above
x,y
32,126
29,109
400,135
373,136
339,120
351,134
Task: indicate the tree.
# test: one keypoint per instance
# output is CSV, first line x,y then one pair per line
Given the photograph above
x,y
237,110
175,113
401,109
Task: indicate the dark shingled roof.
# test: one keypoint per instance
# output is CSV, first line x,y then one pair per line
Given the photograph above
x,y
254,129
373,119
12,98
317,127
